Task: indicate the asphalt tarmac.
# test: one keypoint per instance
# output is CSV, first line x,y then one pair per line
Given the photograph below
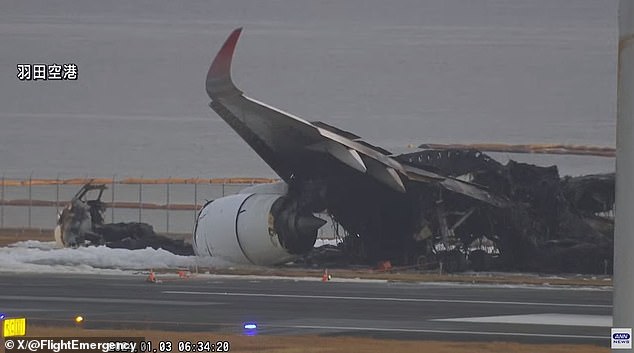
x,y
290,306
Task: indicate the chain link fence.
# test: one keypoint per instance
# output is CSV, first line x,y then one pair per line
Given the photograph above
x,y
170,205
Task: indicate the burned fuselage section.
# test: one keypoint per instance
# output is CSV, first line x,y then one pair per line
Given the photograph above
x,y
549,223
76,222
81,223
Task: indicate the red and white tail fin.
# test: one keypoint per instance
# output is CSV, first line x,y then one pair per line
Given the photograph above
x,y
219,75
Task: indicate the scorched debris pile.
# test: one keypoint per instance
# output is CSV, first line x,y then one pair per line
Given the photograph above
x,y
550,224
81,223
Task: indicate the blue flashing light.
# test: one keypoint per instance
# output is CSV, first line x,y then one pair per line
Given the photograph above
x,y
250,329
2,316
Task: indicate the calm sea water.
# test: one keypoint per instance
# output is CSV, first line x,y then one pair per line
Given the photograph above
x,y
397,73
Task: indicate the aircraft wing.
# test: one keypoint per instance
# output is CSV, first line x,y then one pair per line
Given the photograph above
x,y
287,143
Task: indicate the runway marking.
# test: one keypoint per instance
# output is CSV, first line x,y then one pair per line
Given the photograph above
x,y
28,310
23,298
423,300
487,333
540,319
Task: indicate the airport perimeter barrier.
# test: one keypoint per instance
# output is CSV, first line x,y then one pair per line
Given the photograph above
x,y
170,205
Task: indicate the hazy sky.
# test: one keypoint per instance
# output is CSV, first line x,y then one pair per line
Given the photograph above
x,y
396,73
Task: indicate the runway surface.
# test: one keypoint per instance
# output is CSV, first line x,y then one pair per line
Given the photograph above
x,y
290,306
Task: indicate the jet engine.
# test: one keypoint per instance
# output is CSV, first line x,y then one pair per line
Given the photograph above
x,y
262,225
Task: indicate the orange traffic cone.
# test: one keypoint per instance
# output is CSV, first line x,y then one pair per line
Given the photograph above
x,y
325,277
151,278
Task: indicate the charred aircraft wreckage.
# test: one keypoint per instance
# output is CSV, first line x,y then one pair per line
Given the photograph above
x,y
81,223
434,205
454,206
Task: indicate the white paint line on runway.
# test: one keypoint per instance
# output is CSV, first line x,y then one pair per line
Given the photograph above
x,y
29,310
450,332
541,319
27,298
422,300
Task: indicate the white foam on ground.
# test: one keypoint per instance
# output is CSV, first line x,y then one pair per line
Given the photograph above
x,y
35,256
34,244
48,257
541,319
321,242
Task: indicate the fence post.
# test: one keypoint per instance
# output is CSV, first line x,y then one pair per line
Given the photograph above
x,y
167,209
30,197
56,196
195,199
112,203
2,205
140,198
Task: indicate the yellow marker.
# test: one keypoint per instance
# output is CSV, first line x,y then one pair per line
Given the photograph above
x,y
79,319
14,327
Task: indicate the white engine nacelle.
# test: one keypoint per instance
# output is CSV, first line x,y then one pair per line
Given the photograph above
x,y
252,227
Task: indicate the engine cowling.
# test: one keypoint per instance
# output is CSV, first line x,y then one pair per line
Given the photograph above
x,y
262,225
